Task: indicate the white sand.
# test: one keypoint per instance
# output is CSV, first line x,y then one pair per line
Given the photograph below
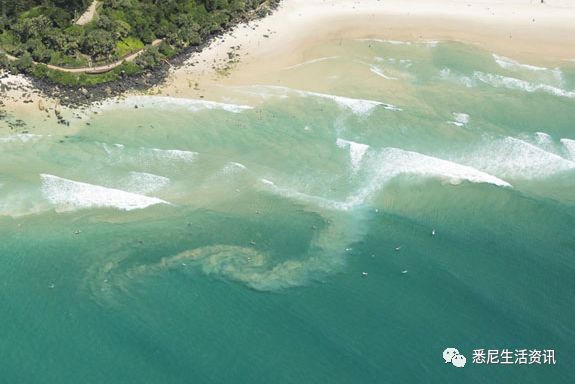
x,y
20,89
523,29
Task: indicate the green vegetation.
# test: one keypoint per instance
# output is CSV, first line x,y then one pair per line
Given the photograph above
x,y
128,45
43,32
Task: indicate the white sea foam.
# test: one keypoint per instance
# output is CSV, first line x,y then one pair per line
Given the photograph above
x,y
144,183
392,42
499,81
507,63
70,195
385,166
543,138
393,162
406,63
165,102
544,141
237,165
173,154
521,85
20,138
447,74
569,146
429,43
460,119
146,155
356,151
313,61
513,158
233,167
391,61
357,106
380,73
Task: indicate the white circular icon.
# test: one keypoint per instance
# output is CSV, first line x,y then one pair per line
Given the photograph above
x,y
452,355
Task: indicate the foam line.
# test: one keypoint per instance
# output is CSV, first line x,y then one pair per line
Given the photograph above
x,y
357,106
174,154
507,63
313,61
499,81
20,137
517,159
70,195
165,102
429,43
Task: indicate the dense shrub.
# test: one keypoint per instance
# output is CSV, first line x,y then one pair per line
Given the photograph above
x,y
44,31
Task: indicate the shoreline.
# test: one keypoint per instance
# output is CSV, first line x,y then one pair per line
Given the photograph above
x,y
539,34
24,89
524,30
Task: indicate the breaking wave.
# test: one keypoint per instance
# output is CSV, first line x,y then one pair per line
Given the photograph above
x,y
143,155
569,146
507,63
520,85
144,183
517,159
499,81
356,151
386,165
357,106
71,195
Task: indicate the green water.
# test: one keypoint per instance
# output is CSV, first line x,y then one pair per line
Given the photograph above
x,y
183,242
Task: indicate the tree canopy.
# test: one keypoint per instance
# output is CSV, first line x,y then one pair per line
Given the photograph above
x,y
45,29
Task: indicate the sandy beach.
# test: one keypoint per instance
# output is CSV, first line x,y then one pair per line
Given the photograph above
x,y
526,30
534,32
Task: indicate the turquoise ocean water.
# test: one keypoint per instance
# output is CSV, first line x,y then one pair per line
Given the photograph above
x,y
346,224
